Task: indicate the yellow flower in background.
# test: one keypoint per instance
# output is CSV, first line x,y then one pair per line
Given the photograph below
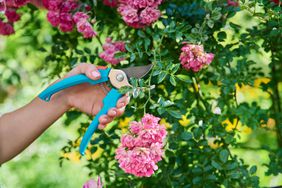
x,y
212,144
184,121
165,123
123,123
260,81
95,155
271,123
230,126
76,143
247,130
73,156
238,125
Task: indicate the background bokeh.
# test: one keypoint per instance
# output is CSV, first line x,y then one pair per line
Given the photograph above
x,y
22,78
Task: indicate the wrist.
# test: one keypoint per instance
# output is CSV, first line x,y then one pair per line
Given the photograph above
x,y
61,99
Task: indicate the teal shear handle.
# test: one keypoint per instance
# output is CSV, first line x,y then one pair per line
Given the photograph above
x,y
108,102
72,81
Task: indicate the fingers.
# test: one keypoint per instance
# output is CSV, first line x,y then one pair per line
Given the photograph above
x,y
104,120
122,102
89,70
114,112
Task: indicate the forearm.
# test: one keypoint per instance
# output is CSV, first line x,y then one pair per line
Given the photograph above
x,y
20,128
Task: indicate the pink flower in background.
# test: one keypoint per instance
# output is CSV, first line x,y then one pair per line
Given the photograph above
x,y
129,14
9,8
149,15
83,26
110,49
80,16
277,1
6,28
61,15
93,184
139,13
142,148
66,23
52,5
193,57
16,3
111,3
68,6
233,3
54,18
140,3
12,15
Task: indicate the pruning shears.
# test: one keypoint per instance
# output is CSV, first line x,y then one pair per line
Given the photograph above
x,y
118,78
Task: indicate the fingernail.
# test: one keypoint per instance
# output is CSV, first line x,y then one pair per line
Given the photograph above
x,y
122,104
95,74
114,113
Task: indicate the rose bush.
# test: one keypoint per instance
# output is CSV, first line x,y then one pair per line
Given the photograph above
x,y
201,59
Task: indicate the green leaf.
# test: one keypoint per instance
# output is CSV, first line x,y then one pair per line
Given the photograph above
x,y
223,155
161,76
186,136
132,57
172,80
216,165
175,113
93,149
210,23
253,169
87,50
184,78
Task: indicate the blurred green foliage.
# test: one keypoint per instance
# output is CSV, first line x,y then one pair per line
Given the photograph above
x,y
241,147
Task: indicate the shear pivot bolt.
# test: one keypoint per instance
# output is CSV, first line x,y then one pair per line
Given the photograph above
x,y
120,77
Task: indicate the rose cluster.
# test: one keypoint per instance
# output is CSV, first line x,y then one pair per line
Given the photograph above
x,y
110,49
142,148
193,57
60,14
137,13
9,8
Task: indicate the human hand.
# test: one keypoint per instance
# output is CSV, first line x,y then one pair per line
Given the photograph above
x,y
89,98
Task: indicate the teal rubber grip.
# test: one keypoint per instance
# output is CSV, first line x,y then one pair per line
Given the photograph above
x,y
73,81
108,102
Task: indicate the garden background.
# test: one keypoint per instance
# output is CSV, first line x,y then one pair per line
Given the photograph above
x,y
25,71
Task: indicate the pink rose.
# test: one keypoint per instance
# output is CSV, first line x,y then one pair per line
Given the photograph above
x,y
93,184
149,15
80,16
129,14
193,57
53,18
6,28
12,15
66,22
142,148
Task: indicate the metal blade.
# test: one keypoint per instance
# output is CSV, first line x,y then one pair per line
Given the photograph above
x,y
137,72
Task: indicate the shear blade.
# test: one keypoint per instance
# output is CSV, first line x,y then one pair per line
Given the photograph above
x,y
137,72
